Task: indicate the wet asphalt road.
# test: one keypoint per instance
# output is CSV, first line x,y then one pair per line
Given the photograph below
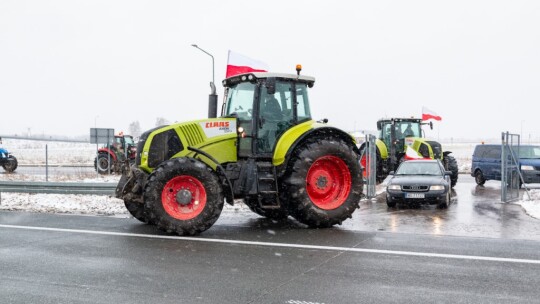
x,y
476,251
48,258
475,211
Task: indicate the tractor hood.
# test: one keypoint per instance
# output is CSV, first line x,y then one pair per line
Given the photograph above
x,y
214,136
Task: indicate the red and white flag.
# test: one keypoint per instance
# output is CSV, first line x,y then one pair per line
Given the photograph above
x,y
239,64
429,114
410,154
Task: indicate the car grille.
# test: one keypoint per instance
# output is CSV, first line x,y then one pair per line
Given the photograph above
x,y
415,188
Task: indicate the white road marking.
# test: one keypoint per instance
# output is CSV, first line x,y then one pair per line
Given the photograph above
x,y
282,245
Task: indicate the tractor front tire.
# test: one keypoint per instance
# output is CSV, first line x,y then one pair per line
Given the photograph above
x,y
11,164
183,196
322,185
450,164
137,211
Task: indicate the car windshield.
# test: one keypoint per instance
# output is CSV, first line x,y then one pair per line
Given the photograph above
x,y
529,152
419,168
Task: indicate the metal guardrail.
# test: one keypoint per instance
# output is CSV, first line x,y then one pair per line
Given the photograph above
x,y
58,188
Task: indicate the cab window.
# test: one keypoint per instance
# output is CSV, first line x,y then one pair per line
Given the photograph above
x,y
240,100
302,101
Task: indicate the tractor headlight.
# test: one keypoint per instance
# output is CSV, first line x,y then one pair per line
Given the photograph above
x,y
436,188
526,168
394,187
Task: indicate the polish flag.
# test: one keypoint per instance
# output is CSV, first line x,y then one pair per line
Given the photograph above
x,y
239,64
410,154
429,114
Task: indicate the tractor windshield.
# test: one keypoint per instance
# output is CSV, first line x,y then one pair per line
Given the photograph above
x,y
408,129
240,100
401,129
129,140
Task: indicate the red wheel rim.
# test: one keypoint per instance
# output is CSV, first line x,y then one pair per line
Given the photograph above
x,y
196,196
328,182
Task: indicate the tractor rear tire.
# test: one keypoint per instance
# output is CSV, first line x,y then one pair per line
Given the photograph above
x,y
277,214
102,163
322,185
183,196
450,164
11,164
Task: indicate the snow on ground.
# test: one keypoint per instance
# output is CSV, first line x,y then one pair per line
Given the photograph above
x,y
77,154
532,206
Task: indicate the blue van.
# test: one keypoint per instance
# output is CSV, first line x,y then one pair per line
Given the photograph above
x,y
486,163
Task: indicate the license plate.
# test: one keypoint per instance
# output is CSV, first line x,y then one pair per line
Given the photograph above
x,y
415,195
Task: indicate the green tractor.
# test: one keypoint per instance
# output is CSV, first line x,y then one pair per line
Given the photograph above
x,y
265,149
396,136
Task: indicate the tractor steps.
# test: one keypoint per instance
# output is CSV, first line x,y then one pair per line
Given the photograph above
x,y
267,186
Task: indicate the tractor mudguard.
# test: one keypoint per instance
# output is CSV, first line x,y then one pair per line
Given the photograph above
x,y
297,134
445,153
383,150
109,151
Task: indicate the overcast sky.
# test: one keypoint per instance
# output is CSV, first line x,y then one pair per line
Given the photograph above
x,y
67,66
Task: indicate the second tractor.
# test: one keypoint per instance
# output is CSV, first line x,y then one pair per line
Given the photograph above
x,y
396,135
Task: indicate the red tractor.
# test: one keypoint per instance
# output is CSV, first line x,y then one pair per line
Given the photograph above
x,y
111,157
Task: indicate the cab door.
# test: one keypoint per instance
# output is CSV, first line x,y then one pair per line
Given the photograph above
x,y
276,115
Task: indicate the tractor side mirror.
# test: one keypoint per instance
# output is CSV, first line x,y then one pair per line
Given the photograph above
x,y
379,125
270,85
431,125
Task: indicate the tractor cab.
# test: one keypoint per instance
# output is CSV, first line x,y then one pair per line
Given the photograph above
x,y
265,105
399,132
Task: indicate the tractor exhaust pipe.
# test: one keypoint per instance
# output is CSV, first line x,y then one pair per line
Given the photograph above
x,y
212,102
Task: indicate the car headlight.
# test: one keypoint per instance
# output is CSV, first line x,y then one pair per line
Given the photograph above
x,y
394,187
523,167
436,187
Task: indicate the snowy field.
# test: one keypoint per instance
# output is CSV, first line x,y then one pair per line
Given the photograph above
x,y
82,155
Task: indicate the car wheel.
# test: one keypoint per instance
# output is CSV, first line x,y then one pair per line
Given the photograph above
x,y
446,201
479,178
390,202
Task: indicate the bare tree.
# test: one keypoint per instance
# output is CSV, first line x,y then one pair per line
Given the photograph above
x,y
160,121
135,129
